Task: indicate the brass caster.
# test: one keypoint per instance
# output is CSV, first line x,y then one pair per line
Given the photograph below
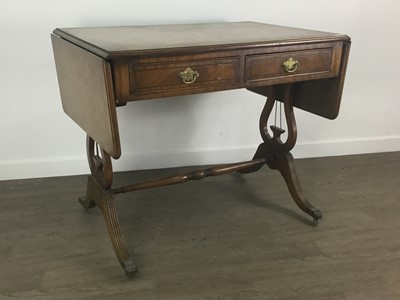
x,y
129,268
87,204
316,214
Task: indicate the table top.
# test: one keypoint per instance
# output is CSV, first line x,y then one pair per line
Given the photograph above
x,y
109,42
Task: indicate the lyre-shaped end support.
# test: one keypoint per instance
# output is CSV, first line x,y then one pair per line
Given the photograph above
x,y
99,163
286,96
276,152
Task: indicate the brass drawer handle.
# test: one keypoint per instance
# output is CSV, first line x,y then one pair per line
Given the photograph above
x,y
290,65
188,76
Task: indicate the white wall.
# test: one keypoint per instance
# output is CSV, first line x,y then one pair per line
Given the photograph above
x,y
38,139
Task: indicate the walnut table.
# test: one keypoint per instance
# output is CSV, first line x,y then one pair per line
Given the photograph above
x,y
101,68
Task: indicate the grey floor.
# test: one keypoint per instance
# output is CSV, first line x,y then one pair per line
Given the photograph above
x,y
227,237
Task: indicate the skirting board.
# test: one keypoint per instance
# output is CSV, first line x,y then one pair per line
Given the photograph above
x,y
65,166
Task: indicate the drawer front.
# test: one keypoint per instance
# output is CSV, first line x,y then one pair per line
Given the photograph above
x,y
290,66
171,76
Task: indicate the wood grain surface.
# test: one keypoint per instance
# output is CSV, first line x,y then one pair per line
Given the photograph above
x,y
87,93
133,40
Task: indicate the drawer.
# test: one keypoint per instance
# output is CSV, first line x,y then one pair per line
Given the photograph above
x,y
182,75
283,66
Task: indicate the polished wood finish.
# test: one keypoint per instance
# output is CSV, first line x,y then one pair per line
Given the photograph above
x,y
148,78
284,163
276,152
96,195
144,50
87,93
99,194
193,175
116,42
309,94
99,163
319,97
284,64
143,77
315,62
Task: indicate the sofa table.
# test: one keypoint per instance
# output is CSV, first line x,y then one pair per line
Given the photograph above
x,y
102,68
